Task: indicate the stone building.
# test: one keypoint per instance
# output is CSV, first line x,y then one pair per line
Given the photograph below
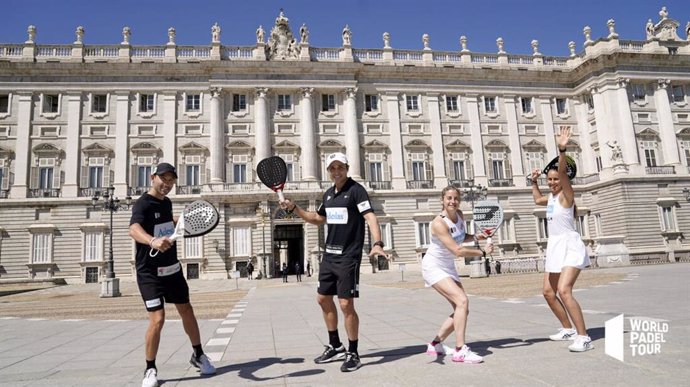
x,y
78,118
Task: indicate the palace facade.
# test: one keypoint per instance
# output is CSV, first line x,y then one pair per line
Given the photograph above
x,y
78,118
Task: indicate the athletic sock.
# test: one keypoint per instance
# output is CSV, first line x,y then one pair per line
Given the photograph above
x,y
197,351
151,364
435,342
353,346
334,339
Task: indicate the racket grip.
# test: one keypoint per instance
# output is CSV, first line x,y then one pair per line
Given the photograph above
x,y
488,241
280,195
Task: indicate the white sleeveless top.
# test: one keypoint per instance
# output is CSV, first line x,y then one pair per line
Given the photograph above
x,y
560,219
457,231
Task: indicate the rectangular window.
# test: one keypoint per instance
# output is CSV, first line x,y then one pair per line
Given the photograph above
x,y
193,130
239,102
192,247
649,149
328,102
561,106
93,246
3,176
239,129
51,103
452,103
193,174
418,170
330,128
146,103
597,160
490,104
526,103
371,103
49,131
423,236
668,219
146,131
144,176
543,229
581,225
412,103
193,103
493,129
456,129
99,103
678,93
91,274
535,160
374,128
598,230
290,164
45,175
386,236
589,101
375,171
284,102
498,172
42,248
638,92
95,176
4,103
415,128
531,129
239,173
459,170
98,131
241,241
506,232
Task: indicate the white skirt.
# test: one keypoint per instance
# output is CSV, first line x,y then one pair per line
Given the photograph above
x,y
565,250
435,269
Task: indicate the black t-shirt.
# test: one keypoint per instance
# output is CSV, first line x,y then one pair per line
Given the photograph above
x,y
344,212
156,218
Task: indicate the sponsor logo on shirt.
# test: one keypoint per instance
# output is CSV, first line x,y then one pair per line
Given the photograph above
x,y
164,229
153,303
336,215
364,206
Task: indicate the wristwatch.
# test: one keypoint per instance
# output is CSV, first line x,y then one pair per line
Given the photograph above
x,y
379,243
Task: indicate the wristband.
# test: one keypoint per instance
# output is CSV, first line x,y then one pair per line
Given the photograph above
x,y
562,150
483,252
290,211
379,243
151,241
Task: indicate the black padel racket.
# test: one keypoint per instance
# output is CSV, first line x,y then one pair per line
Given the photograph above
x,y
570,167
198,218
488,217
272,172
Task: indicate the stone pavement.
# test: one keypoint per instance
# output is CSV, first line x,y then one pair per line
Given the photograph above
x,y
271,336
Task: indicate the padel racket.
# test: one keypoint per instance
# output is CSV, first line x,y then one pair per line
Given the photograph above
x,y
198,218
488,217
570,167
272,172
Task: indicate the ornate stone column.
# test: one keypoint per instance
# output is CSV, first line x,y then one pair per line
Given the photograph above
x,y
352,134
439,159
262,137
71,163
476,139
588,166
626,130
669,141
397,158
122,164
308,142
217,137
22,150
514,140
169,130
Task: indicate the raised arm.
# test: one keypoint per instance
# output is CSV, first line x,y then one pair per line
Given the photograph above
x,y
539,199
567,196
308,216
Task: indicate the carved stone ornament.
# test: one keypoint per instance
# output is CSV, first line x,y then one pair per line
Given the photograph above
x,y
281,43
665,29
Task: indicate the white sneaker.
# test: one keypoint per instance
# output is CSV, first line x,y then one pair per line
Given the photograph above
x,y
581,344
203,364
150,378
465,355
438,350
564,334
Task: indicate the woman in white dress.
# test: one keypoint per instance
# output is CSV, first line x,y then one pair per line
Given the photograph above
x,y
566,254
438,269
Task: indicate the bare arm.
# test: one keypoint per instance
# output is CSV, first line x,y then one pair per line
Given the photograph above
x,y
440,229
308,216
539,199
567,196
375,230
140,235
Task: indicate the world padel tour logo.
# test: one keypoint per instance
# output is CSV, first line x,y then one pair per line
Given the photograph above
x,y
647,337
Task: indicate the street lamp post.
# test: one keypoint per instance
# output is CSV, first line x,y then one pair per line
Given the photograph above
x,y
110,287
474,193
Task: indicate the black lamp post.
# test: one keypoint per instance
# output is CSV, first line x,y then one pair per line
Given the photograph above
x,y
111,286
474,193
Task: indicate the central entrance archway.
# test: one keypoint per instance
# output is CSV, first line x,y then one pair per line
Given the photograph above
x,y
288,247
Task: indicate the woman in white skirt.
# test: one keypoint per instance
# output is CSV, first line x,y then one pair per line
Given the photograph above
x,y
566,254
438,269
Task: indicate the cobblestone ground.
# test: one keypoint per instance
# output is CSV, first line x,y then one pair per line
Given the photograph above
x,y
212,299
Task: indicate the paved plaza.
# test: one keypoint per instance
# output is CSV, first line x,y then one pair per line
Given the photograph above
x,y
270,334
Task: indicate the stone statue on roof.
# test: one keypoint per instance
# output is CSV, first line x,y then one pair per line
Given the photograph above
x,y
347,36
281,43
304,34
215,33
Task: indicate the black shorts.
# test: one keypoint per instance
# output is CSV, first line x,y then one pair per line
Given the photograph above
x,y
156,290
339,277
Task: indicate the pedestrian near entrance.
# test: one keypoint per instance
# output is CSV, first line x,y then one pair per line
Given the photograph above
x,y
566,254
250,270
160,279
448,235
298,272
308,269
345,208
284,272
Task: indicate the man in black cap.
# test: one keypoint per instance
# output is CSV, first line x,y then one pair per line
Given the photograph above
x,y
160,278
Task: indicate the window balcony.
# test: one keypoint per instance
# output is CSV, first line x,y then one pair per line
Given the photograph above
x,y
136,191
91,192
379,184
188,189
668,170
586,179
420,184
4,194
500,182
462,183
44,193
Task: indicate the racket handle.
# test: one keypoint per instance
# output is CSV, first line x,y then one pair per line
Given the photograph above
x,y
280,195
488,241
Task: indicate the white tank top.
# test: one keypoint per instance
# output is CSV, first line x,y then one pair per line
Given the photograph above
x,y
457,232
560,219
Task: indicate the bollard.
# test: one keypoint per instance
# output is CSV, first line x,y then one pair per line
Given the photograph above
x,y
401,266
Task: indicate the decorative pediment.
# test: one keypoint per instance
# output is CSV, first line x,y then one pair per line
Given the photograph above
x,y
282,45
534,145
648,133
374,145
47,150
416,144
682,132
97,149
286,145
193,148
458,145
144,147
496,144
5,153
330,144
238,145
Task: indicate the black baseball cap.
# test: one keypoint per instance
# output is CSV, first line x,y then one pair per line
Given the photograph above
x,y
163,168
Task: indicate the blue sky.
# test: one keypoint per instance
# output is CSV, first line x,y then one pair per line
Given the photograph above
x,y
554,23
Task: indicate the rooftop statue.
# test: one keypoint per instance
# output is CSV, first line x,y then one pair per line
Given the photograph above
x,y
281,44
